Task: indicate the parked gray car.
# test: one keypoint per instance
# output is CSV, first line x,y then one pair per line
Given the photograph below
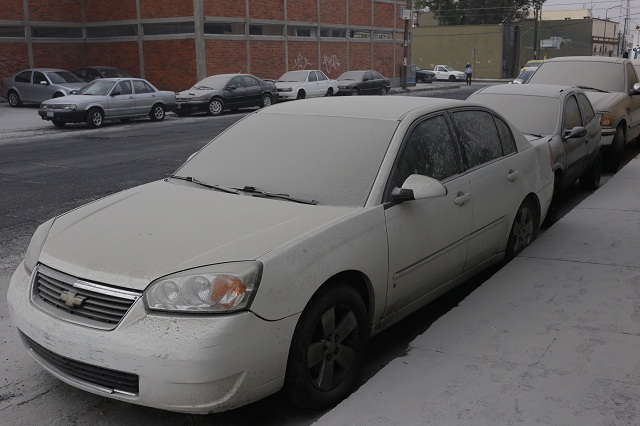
x,y
611,84
35,85
109,99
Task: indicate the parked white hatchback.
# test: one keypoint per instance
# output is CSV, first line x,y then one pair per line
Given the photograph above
x,y
272,255
303,84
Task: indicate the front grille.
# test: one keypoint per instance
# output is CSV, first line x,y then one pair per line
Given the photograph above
x,y
113,380
83,302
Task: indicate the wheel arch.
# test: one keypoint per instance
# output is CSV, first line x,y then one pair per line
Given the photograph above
x,y
96,106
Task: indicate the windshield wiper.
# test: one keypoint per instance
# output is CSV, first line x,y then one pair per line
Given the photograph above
x,y
260,193
533,134
202,88
592,88
206,185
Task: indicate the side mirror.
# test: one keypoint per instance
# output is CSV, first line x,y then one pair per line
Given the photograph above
x,y
73,92
576,132
418,187
636,89
232,87
115,93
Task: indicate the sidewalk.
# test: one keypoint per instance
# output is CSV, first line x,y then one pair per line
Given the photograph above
x,y
552,338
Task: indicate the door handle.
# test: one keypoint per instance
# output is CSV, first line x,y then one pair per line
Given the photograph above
x,y
513,175
461,198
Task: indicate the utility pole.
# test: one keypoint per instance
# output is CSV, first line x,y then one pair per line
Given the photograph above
x,y
406,44
536,13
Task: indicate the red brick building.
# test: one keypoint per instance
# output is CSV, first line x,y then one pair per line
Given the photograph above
x,y
174,43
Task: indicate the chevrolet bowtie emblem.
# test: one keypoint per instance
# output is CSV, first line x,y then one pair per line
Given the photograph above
x,y
72,299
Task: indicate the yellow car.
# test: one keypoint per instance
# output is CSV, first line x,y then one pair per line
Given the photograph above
x,y
532,63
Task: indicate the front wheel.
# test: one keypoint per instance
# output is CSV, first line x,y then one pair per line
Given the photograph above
x,y
452,78
419,79
301,94
329,92
95,118
266,101
157,113
383,91
216,106
524,229
354,92
613,154
59,124
328,348
590,179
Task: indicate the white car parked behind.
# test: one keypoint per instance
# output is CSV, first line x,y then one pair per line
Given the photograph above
x,y
303,84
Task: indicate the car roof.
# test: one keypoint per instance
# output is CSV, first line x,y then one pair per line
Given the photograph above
x,y
368,107
542,90
586,59
43,69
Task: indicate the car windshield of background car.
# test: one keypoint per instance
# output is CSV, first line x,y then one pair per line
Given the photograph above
x,y
213,82
535,115
294,76
61,77
97,87
333,160
114,73
599,75
351,75
525,75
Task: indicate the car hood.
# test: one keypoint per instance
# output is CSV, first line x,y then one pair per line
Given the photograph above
x,y
604,101
196,93
72,86
136,236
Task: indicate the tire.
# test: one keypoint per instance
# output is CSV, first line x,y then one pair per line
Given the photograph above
x,y
329,92
524,229
95,118
266,101
452,78
59,124
590,179
301,94
419,79
383,90
355,92
216,107
157,112
613,154
334,330
14,99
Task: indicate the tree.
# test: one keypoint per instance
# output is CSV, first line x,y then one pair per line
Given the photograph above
x,y
475,12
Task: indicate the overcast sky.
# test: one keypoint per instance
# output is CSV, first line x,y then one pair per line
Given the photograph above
x,y
598,8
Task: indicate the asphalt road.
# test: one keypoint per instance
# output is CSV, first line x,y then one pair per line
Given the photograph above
x,y
47,171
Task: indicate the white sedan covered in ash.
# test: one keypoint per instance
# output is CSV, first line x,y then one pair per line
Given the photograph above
x,y
272,255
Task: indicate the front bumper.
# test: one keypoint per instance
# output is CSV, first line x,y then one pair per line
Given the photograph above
x,y
287,96
608,133
191,106
184,363
62,115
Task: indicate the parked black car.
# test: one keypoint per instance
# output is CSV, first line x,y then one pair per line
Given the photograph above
x,y
221,92
425,76
366,82
92,73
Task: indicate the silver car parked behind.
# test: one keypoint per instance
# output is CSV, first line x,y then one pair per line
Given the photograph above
x,y
109,99
35,85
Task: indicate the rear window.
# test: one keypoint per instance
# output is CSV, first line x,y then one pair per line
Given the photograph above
x,y
607,76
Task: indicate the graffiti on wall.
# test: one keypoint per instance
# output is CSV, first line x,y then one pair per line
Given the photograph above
x,y
301,62
330,63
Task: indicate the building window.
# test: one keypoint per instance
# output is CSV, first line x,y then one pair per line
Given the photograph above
x,y
226,28
112,31
382,35
11,31
333,32
293,31
266,30
56,32
163,29
359,34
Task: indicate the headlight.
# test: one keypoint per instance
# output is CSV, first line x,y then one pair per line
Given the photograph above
x,y
69,107
36,244
286,89
222,288
606,120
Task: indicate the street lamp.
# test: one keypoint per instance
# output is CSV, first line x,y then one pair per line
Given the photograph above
x,y
604,36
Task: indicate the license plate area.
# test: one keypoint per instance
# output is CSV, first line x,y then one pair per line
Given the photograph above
x,y
50,114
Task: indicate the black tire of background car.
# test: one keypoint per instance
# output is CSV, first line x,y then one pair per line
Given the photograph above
x,y
216,107
383,91
157,113
301,94
303,385
590,179
355,91
266,100
419,79
95,118
524,229
613,153
14,99
452,78
329,92
58,123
